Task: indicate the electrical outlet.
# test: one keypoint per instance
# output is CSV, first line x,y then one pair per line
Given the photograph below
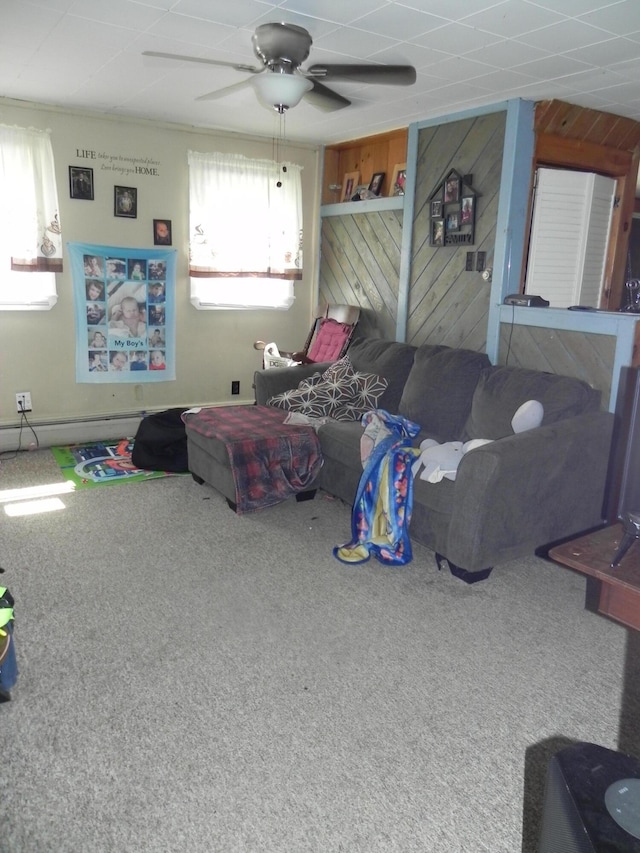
x,y
23,401
235,386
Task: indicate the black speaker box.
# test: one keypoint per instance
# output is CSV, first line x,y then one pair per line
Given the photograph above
x,y
591,802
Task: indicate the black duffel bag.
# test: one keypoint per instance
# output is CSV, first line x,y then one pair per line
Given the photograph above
x,y
160,443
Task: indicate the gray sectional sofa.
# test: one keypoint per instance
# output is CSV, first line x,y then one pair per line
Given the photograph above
x,y
509,497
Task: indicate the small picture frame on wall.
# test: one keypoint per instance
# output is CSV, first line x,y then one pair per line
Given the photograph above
x,y
437,232
451,188
436,208
349,185
453,221
398,179
161,232
377,180
466,210
125,202
81,182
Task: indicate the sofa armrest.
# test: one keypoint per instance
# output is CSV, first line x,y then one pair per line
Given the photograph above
x,y
277,380
524,491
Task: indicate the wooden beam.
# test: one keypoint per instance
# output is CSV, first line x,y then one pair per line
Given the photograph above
x,y
577,154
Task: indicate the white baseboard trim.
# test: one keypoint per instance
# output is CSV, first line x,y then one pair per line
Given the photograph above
x,y
74,432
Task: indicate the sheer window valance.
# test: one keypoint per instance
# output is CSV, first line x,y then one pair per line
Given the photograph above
x,y
29,220
245,218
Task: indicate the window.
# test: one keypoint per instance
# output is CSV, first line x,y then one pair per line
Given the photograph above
x,y
30,234
245,232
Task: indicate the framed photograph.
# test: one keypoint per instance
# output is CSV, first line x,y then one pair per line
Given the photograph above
x,y
398,179
437,232
125,202
81,182
466,210
436,208
360,193
451,188
453,221
377,180
161,232
349,185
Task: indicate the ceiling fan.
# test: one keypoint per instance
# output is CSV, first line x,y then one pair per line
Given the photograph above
x,y
283,48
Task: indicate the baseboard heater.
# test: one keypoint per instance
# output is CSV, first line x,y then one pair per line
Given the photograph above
x,y
80,430
72,432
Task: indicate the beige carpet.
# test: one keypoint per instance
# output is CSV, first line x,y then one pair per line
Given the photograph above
x,y
194,680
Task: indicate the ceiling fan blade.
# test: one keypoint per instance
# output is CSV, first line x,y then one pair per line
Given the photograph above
x,y
222,93
390,75
325,99
239,66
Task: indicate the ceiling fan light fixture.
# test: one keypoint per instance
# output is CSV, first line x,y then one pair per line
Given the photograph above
x,y
281,91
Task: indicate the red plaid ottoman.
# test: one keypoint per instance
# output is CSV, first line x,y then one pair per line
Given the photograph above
x,y
251,456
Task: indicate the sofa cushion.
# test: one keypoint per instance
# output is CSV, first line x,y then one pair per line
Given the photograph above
x,y
439,389
329,341
501,390
389,359
339,393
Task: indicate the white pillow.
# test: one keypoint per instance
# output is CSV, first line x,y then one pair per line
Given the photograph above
x,y
528,416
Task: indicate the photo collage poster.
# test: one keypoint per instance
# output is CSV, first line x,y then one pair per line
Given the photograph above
x,y
125,313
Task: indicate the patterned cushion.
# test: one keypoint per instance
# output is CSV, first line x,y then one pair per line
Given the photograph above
x,y
341,393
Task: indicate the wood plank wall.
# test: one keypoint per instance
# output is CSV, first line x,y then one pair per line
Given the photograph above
x,y
447,304
360,253
360,265
586,356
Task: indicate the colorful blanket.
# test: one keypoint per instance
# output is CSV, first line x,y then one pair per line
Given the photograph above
x,y
270,459
384,500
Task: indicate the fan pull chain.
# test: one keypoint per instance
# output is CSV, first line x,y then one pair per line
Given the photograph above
x,y
280,137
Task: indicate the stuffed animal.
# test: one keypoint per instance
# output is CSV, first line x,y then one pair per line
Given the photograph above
x,y
442,460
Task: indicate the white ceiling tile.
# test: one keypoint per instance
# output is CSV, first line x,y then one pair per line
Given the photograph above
x,y
388,22
619,18
46,5
120,12
513,18
451,10
572,8
239,13
83,36
459,68
558,37
501,80
352,42
189,30
507,53
413,54
457,39
339,11
606,53
25,23
552,67
592,80
629,69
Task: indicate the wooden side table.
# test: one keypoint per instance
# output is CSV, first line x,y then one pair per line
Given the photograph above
x,y
613,592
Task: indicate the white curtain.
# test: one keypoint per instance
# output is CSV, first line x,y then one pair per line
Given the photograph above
x,y
245,231
29,219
